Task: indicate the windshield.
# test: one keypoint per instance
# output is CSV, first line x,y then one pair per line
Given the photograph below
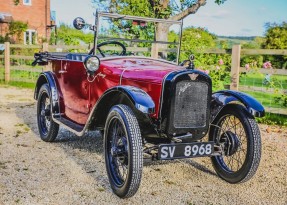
x,y
156,38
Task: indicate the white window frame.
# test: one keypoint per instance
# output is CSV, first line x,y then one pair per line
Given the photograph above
x,y
27,4
30,31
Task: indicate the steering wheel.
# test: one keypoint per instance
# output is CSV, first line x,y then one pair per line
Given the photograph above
x,y
106,43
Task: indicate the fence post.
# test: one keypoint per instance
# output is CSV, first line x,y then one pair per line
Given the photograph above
x,y
7,62
154,50
235,67
44,49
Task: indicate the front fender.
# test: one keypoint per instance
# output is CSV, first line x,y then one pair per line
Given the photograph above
x,y
141,100
224,97
47,77
129,95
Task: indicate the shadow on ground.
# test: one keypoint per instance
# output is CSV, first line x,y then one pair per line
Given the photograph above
x,y
87,151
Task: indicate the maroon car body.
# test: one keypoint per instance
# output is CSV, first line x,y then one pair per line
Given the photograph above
x,y
146,106
79,96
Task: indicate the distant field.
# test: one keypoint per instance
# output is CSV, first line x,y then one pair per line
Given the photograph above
x,y
235,40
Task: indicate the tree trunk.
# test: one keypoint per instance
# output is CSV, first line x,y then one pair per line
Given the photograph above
x,y
162,35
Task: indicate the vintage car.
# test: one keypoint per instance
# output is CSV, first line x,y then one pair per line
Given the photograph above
x,y
146,107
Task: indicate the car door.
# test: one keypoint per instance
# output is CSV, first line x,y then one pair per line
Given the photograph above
x,y
75,89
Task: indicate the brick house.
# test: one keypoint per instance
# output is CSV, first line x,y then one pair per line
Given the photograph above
x,y
34,12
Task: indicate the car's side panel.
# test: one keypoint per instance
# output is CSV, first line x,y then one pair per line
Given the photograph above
x,y
80,93
146,74
105,78
72,78
152,89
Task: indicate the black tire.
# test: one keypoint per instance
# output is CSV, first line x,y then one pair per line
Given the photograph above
x,y
238,130
123,151
48,129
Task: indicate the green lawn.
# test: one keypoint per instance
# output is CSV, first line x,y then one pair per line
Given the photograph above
x,y
280,81
263,92
267,99
24,76
24,79
29,75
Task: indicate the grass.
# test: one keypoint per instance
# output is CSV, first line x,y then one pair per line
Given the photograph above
x,y
273,119
18,84
267,99
258,79
22,79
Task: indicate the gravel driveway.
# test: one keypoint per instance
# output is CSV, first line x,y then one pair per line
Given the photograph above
x,y
72,170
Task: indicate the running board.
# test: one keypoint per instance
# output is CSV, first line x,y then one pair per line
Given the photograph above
x,y
69,125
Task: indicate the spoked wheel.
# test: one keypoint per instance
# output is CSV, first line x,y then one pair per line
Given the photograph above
x,y
237,133
123,151
48,129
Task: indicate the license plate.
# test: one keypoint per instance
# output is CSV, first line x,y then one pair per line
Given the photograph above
x,y
185,150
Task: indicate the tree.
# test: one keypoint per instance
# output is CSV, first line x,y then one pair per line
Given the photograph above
x,y
166,9
195,39
276,38
72,36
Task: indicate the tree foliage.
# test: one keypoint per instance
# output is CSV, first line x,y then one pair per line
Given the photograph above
x,y
195,39
276,38
254,60
71,36
168,9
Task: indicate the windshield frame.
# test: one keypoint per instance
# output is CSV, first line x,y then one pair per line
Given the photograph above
x,y
98,15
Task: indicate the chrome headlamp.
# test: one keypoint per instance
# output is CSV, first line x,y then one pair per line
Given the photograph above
x,y
92,64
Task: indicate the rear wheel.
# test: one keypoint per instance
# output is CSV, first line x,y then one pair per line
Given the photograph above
x,y
48,129
237,132
123,151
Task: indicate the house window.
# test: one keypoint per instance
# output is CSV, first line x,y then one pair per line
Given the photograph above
x,y
27,2
30,37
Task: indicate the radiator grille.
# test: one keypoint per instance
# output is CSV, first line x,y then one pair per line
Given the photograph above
x,y
190,104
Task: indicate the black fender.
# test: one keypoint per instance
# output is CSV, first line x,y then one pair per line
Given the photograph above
x,y
224,97
48,77
138,99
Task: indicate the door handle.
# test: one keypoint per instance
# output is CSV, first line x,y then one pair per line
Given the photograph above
x,y
62,71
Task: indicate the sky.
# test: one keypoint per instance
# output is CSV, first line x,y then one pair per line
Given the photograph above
x,y
233,18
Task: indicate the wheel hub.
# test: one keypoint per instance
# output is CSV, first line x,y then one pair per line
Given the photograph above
x,y
119,151
230,141
46,112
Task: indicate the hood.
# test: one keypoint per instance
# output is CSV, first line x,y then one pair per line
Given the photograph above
x,y
141,69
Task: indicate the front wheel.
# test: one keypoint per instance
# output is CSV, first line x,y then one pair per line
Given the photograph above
x,y
123,151
237,133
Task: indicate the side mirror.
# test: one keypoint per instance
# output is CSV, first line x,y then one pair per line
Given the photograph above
x,y
79,23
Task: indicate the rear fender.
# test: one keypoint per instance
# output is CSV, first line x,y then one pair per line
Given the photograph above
x,y
47,77
134,97
224,97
